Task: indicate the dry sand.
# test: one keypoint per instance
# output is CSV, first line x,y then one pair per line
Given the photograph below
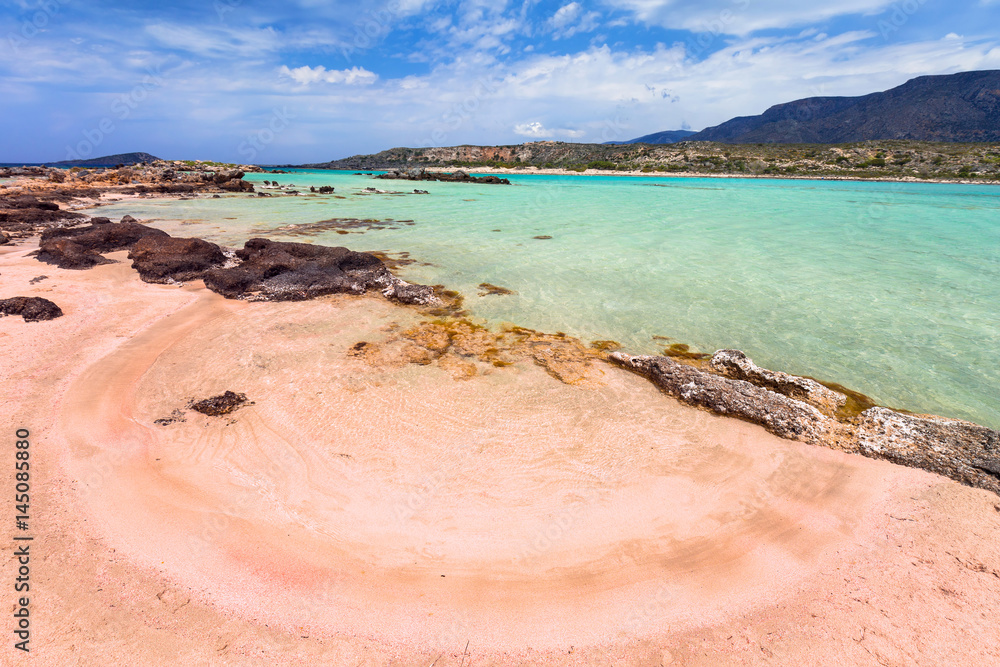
x,y
359,515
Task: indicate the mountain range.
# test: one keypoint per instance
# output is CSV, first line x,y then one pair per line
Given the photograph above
x,y
962,107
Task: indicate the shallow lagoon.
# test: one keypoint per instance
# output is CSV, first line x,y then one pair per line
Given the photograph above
x,y
888,288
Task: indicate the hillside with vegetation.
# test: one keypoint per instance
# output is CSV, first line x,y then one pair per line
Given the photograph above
x,y
862,160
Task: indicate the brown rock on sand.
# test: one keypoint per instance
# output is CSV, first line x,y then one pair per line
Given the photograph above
x,y
161,259
31,308
82,247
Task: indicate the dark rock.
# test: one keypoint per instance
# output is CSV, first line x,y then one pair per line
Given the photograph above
x,y
175,417
31,308
236,186
420,174
325,189
161,259
965,452
27,215
220,405
226,176
280,271
81,247
66,254
4,238
29,201
779,414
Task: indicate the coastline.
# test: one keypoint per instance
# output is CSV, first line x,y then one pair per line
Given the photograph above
x,y
126,506
537,171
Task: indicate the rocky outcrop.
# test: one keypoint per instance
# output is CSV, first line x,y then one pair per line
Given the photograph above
x,y
421,174
779,414
24,215
82,247
736,365
965,452
31,308
277,271
786,405
223,404
164,259
230,181
262,269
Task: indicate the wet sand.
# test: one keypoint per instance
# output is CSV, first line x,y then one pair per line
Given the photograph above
x,y
359,514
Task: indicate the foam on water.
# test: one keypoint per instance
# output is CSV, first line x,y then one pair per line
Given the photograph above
x,y
888,288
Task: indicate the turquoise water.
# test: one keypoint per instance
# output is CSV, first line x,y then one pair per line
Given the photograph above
x,y
890,289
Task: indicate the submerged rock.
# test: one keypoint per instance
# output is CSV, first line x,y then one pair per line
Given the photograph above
x,y
489,289
779,414
31,308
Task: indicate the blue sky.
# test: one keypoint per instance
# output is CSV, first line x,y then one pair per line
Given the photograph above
x,y
303,80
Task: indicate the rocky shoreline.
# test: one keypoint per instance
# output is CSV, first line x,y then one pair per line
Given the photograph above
x,y
801,409
728,384
262,270
459,176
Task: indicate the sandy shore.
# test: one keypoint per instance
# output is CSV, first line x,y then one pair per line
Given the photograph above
x,y
374,515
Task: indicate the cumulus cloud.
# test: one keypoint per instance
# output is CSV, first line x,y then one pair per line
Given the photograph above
x,y
306,75
536,130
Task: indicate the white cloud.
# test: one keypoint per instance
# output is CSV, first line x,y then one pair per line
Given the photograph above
x,y
536,130
306,75
216,41
741,17
571,19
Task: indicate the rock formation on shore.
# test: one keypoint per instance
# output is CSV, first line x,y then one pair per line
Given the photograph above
x,y
262,270
24,215
82,247
31,206
31,308
276,271
421,174
793,407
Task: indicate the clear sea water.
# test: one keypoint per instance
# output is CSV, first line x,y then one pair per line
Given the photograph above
x,y
892,289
